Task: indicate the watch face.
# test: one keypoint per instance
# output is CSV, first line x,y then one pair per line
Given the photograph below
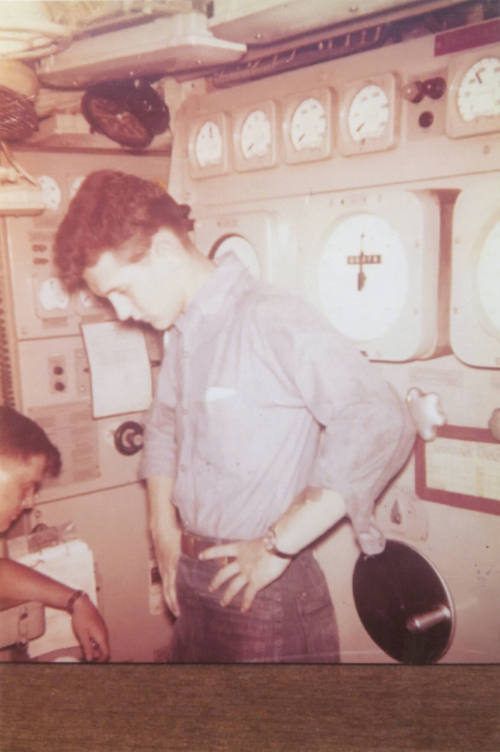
x,y
368,113
256,135
208,144
488,278
478,93
308,125
363,276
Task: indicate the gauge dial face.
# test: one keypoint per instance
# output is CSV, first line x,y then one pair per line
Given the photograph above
x,y
256,135
363,276
208,144
51,193
241,248
478,93
488,277
52,295
368,114
308,125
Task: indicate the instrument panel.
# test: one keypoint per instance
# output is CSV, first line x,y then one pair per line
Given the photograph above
x,y
345,118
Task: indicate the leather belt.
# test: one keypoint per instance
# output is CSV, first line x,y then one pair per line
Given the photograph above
x,y
192,545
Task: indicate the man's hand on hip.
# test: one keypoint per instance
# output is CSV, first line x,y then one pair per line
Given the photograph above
x,y
252,569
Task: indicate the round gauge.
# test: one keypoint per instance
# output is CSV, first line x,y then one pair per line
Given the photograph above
x,y
256,135
363,276
308,125
51,193
241,248
208,144
52,295
488,277
368,113
478,93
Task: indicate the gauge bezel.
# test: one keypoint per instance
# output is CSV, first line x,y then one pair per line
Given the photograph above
x,y
389,83
242,162
217,168
456,127
419,330
327,98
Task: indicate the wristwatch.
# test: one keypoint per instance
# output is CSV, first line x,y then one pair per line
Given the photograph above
x,y
270,544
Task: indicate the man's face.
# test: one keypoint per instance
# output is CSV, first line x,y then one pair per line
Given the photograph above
x,y
19,482
146,290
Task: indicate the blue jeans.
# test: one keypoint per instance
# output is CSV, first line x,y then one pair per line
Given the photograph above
x,y
291,620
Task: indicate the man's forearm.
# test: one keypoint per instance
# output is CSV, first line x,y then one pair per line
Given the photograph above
x,y
162,512
18,582
314,512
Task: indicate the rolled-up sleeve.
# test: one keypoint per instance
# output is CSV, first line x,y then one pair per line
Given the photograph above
x,y
367,431
159,455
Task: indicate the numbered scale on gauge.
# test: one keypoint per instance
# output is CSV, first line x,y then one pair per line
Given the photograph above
x,y
208,144
363,276
479,90
473,105
307,125
369,113
256,135
369,116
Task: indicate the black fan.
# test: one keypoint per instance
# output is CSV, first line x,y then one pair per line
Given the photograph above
x,y
129,112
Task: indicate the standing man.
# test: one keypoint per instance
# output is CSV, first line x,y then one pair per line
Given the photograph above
x,y
267,428
26,457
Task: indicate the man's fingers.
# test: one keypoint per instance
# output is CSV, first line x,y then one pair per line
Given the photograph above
x,y
233,589
217,552
224,574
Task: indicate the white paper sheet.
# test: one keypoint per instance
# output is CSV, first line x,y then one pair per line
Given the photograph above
x,y
73,564
119,367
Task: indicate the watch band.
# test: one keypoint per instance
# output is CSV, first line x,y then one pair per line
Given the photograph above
x,y
270,544
72,600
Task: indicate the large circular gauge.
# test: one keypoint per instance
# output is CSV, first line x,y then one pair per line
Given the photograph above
x,y
363,276
368,114
208,144
478,93
241,248
488,277
256,134
308,125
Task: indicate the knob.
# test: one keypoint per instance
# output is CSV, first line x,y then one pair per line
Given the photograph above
x,y
414,91
129,437
435,87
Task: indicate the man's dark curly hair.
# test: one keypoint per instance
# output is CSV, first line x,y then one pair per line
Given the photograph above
x,y
115,211
21,438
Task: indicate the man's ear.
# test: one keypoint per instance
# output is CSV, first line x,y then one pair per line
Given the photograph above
x,y
166,246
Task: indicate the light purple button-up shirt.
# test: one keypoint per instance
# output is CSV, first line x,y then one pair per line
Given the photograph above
x,y
257,398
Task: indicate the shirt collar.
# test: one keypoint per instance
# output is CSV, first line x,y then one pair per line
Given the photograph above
x,y
217,294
